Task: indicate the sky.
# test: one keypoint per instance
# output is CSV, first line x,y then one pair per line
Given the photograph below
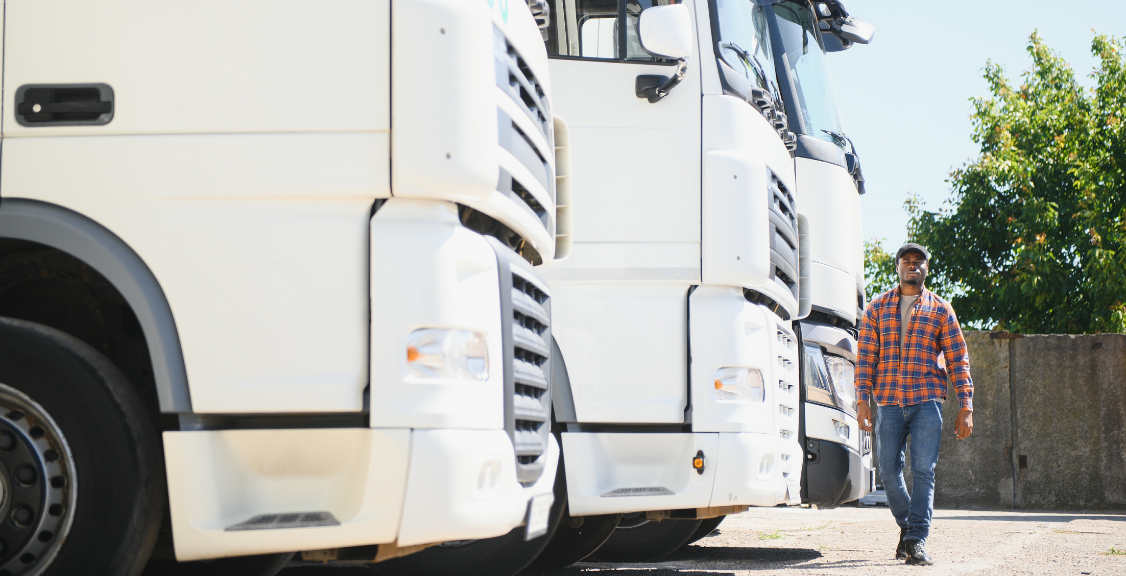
x,y
905,99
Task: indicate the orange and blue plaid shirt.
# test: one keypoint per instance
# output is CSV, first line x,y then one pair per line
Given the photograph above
x,y
919,376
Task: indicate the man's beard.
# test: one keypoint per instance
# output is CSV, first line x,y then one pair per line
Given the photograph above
x,y
915,281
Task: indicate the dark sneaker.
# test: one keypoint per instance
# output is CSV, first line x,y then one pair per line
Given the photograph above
x,y
916,555
901,550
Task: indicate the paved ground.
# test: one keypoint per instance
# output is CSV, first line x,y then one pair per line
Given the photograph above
x,y
862,541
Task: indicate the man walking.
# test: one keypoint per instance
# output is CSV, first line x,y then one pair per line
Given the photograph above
x,y
907,335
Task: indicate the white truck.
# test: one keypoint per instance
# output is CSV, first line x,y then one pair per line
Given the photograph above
x,y
838,456
673,313
273,263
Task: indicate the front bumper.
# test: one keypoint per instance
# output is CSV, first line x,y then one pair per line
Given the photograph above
x,y
837,470
609,473
378,486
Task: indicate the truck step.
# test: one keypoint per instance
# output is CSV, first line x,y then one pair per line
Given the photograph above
x,y
650,491
287,520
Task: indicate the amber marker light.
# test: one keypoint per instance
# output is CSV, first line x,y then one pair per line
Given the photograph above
x,y
698,462
412,354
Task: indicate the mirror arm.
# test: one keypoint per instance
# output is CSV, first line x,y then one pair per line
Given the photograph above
x,y
654,88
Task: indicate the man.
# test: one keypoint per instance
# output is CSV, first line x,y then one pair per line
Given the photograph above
x,y
906,336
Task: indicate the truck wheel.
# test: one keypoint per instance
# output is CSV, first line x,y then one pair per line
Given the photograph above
x,y
263,565
576,538
81,486
645,541
706,527
501,556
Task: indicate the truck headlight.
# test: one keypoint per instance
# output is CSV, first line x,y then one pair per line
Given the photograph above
x,y
447,354
739,384
843,374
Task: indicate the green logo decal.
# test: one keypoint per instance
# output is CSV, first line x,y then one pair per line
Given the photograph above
x,y
503,8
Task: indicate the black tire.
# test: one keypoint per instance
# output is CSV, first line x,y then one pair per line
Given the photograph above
x,y
263,565
501,556
646,542
98,446
706,527
573,543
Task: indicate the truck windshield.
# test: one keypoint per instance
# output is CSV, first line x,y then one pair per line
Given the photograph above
x,y
744,42
805,57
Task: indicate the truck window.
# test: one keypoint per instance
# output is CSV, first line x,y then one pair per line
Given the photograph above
x,y
744,41
589,29
805,57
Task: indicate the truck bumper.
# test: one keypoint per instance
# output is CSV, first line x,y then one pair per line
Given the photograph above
x,y
355,486
609,473
837,470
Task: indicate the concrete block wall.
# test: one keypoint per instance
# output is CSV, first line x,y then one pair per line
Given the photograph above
x,y
1049,425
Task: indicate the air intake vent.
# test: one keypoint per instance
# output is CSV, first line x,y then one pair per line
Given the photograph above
x,y
515,78
525,134
527,341
784,257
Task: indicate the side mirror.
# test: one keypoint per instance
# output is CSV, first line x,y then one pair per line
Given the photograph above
x,y
666,31
857,30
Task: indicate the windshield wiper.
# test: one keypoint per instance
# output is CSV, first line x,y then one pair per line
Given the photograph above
x,y
754,64
839,138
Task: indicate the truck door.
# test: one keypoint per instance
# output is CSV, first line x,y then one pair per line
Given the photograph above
x,y
636,183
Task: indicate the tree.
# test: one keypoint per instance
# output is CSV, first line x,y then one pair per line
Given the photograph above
x,y
1034,237
879,269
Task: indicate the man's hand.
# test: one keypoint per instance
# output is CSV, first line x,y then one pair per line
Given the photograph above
x,y
864,416
964,425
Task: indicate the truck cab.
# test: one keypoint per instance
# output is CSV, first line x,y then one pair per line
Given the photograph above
x,y
271,280
673,313
838,456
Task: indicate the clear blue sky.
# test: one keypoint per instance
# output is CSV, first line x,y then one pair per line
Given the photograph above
x,y
905,98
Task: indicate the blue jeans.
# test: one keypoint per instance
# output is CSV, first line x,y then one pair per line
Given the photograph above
x,y
923,422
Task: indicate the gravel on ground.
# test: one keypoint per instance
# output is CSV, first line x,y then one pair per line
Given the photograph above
x,y
851,540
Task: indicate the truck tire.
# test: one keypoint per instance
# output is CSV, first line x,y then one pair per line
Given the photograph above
x,y
646,541
706,527
83,481
573,543
263,565
501,556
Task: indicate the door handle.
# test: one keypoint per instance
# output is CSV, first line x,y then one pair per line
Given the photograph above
x,y
64,104
28,109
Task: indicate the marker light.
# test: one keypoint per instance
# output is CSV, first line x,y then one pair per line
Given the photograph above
x,y
447,354
741,384
698,462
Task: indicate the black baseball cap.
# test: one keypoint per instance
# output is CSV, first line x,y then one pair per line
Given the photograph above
x,y
912,247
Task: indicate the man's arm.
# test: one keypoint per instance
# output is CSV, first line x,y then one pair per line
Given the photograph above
x,y
868,360
957,357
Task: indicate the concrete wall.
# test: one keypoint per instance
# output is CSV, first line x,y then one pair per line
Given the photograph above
x,y
1049,411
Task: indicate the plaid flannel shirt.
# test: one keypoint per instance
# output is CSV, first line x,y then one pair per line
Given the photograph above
x,y
919,376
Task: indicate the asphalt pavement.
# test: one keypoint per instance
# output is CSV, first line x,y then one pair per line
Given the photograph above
x,y
850,540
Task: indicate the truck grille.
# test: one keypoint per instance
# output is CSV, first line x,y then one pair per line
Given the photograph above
x,y
525,129
516,79
783,236
527,336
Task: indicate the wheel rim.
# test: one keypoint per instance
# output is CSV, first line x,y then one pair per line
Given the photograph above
x,y
38,484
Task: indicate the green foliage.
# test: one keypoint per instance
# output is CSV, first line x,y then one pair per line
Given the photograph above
x,y
879,269
1034,238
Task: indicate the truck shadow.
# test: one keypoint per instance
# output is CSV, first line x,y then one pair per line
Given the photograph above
x,y
712,558
740,553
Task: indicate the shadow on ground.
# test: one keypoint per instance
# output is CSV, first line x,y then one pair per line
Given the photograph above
x,y
734,554
1030,518
722,558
